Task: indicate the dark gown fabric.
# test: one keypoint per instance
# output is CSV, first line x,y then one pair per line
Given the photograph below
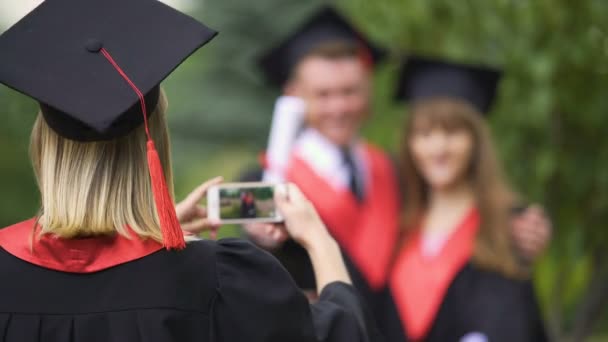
x,y
211,291
477,303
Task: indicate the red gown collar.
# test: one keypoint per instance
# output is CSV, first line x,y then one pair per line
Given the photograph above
x,y
74,255
367,230
418,284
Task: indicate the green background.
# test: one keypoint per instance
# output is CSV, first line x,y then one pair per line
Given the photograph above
x,y
550,121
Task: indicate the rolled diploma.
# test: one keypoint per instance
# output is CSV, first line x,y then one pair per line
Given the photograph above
x,y
287,122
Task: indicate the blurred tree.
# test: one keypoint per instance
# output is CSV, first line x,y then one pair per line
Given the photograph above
x,y
549,122
20,196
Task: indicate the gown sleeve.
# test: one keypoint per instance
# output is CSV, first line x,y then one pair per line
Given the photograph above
x,y
258,301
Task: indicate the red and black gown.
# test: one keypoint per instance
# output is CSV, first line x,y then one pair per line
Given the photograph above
x,y
118,289
449,298
366,229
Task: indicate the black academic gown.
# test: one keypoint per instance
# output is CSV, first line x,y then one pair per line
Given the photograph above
x,y
481,303
116,289
451,299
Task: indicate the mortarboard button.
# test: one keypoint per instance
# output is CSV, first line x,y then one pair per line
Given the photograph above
x,y
93,45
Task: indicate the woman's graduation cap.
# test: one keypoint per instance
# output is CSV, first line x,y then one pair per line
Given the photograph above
x,y
422,78
95,67
325,25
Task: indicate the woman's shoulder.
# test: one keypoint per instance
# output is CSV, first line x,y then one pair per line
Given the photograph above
x,y
485,283
474,272
224,246
238,258
232,254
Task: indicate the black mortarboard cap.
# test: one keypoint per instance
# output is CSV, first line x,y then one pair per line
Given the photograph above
x,y
95,66
422,78
325,25
54,55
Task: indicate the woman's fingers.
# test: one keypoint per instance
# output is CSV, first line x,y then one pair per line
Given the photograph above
x,y
197,194
537,216
189,208
200,211
281,197
263,234
277,233
213,233
199,225
197,212
531,234
301,219
294,194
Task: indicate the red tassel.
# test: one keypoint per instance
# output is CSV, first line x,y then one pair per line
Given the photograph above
x,y
173,237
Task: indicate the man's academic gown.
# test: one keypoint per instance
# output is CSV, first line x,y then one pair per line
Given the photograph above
x,y
366,230
119,289
448,298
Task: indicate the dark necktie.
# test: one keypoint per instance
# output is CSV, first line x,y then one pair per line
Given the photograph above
x,y
354,185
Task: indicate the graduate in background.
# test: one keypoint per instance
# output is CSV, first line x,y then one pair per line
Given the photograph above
x,y
457,275
324,67
105,259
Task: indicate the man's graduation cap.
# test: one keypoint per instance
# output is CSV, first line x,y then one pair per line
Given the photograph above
x,y
422,78
324,26
95,67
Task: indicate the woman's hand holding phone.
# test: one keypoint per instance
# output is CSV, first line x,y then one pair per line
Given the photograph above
x,y
302,222
269,236
531,231
297,212
305,226
192,215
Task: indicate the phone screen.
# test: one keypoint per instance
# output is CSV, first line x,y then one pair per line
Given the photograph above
x,y
237,203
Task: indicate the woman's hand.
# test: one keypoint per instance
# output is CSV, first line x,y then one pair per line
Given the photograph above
x,y
266,235
193,216
302,222
531,232
305,226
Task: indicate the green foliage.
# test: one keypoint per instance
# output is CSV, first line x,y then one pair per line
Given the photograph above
x,y
549,122
19,198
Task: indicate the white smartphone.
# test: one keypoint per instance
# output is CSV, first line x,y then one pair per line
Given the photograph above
x,y
243,203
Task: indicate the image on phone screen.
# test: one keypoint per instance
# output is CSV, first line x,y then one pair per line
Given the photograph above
x,y
247,203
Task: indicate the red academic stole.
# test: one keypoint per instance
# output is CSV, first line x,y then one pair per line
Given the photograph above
x,y
73,255
367,231
419,284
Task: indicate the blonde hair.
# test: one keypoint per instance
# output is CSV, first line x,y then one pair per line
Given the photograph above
x,y
493,196
101,187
